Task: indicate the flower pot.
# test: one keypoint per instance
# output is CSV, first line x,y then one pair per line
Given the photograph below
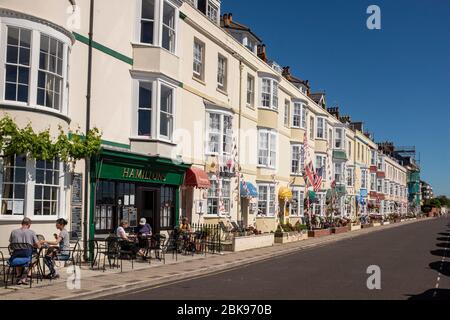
x,y
289,237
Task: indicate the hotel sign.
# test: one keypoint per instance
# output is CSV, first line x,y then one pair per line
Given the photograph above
x,y
143,174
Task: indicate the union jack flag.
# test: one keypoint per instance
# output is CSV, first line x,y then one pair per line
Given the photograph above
x,y
309,174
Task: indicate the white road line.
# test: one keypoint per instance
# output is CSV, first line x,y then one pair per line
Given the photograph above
x,y
444,258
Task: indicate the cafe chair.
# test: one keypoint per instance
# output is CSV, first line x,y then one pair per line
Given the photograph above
x,y
25,261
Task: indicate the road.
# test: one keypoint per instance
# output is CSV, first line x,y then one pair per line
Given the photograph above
x,y
413,259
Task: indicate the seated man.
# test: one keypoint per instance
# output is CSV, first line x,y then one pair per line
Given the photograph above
x,y
24,235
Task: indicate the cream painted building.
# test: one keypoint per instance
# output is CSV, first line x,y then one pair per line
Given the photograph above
x,y
196,121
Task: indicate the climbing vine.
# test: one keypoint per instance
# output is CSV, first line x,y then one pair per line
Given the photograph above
x,y
68,146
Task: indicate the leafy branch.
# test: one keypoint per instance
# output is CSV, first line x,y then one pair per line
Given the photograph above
x,y
68,147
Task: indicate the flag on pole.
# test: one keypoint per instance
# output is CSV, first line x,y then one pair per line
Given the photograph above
x,y
317,184
309,174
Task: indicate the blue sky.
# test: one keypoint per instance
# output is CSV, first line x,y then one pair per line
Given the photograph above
x,y
396,80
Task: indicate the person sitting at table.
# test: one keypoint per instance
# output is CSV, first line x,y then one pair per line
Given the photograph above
x,y
144,229
127,244
120,232
185,226
24,235
59,249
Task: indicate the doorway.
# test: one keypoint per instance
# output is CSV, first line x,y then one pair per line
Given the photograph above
x,y
147,208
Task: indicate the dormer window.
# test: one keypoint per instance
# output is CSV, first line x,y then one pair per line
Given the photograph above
x,y
211,8
212,12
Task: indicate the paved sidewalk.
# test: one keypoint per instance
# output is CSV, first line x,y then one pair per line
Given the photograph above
x,y
96,284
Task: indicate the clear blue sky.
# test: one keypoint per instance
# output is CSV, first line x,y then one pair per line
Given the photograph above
x,y
396,80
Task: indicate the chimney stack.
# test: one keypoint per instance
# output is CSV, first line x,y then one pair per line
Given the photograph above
x,y
334,111
287,73
227,19
262,53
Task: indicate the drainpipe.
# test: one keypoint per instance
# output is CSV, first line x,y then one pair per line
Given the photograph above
x,y
241,69
88,126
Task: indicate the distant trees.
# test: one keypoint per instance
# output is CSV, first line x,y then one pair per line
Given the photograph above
x,y
438,202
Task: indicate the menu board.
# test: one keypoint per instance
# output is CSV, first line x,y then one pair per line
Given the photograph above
x,y
76,205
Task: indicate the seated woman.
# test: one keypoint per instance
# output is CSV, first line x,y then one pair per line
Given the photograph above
x,y
185,226
144,234
127,244
59,249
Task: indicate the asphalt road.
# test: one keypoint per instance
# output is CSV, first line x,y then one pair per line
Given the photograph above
x,y
413,259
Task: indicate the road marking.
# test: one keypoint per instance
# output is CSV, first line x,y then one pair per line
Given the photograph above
x,y
444,258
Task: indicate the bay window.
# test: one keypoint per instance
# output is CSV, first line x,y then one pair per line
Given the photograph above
x,y
364,178
34,60
32,188
266,200
311,128
373,157
373,182
380,185
219,195
339,172
155,109
18,51
321,162
298,201
269,93
158,24
297,159
220,134
166,112
267,148
339,141
287,112
350,176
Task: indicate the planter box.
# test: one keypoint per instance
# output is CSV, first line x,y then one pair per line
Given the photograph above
x,y
376,224
355,227
386,223
340,230
253,242
402,220
319,233
366,226
288,237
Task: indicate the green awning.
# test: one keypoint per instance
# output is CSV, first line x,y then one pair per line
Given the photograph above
x,y
340,155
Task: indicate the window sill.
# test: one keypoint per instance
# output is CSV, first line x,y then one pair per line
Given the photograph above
x,y
198,80
151,140
222,91
268,109
38,109
265,217
250,106
148,45
265,167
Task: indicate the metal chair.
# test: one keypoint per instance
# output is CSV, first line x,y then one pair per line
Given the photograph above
x,y
23,259
3,265
157,245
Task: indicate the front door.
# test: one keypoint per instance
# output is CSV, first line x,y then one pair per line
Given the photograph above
x,y
147,207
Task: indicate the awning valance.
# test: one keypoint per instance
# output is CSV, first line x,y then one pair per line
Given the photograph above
x,y
248,190
285,194
197,178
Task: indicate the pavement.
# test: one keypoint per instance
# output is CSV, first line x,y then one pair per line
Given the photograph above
x,y
317,268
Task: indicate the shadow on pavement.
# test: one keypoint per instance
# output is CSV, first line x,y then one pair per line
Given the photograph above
x,y
444,234
432,294
444,239
442,267
439,253
443,245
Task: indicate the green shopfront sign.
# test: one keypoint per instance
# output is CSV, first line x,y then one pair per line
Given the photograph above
x,y
147,174
136,168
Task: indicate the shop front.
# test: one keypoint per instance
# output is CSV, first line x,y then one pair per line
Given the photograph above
x,y
128,187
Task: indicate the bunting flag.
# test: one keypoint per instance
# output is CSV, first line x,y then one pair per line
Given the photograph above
x,y
309,174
